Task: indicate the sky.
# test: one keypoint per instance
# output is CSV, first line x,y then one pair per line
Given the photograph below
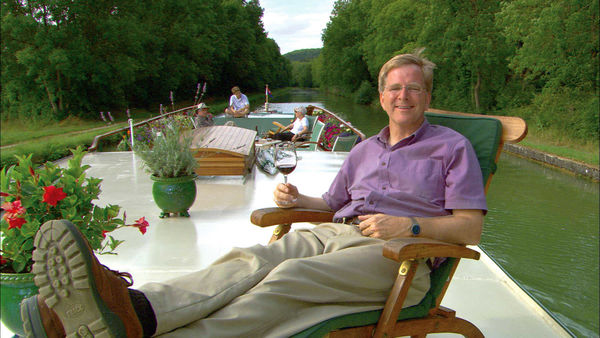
x,y
296,24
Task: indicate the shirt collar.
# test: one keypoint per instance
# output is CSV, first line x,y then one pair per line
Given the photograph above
x,y
384,135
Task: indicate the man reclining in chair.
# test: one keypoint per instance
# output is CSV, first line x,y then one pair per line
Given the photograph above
x,y
412,179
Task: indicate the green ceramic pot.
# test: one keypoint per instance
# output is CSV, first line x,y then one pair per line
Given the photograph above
x,y
14,287
174,195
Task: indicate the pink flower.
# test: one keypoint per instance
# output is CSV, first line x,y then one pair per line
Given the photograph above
x,y
53,194
141,224
12,209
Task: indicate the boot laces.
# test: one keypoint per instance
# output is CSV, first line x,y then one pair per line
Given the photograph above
x,y
125,276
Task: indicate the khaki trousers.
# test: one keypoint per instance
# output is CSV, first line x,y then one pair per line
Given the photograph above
x,y
283,288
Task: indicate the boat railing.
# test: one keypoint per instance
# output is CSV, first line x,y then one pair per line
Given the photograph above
x,y
347,124
97,139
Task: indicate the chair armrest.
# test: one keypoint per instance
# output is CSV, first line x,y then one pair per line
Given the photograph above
x,y
273,216
402,249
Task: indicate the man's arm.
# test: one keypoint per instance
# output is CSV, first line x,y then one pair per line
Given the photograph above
x,y
464,226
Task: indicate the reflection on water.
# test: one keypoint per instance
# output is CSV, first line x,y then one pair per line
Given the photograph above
x,y
542,226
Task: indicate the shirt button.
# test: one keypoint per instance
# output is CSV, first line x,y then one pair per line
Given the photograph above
x,y
371,202
384,188
383,163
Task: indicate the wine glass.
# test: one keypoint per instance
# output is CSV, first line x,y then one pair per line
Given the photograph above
x,y
285,158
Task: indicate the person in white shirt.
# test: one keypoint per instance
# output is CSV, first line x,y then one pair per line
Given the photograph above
x,y
239,106
299,127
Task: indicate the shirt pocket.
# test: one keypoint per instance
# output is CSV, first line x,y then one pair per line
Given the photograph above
x,y
423,178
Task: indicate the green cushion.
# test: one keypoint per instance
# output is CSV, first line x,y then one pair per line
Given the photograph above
x,y
484,134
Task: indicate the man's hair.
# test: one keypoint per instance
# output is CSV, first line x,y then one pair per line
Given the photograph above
x,y
408,59
235,89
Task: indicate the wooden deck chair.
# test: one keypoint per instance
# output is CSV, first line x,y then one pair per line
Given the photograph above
x,y
344,143
313,143
487,135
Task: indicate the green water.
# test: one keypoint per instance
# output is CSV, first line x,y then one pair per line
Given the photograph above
x,y
542,225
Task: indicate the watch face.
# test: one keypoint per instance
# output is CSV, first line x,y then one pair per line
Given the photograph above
x,y
416,229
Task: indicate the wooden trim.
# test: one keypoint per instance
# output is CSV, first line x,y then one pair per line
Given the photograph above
x,y
393,305
279,232
514,129
273,216
401,249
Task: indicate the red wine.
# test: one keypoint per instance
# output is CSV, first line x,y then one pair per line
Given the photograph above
x,y
286,169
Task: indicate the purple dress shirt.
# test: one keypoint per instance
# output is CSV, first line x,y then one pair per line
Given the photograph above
x,y
427,174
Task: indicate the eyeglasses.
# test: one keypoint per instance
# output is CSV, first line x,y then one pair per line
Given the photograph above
x,y
412,88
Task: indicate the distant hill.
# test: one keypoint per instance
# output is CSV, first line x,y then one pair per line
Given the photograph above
x,y
302,55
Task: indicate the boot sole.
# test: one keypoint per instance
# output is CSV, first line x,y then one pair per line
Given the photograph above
x,y
32,320
63,272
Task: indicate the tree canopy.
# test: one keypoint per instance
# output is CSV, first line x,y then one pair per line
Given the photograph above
x,y
492,56
63,57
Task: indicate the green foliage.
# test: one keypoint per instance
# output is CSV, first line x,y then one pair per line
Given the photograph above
x,y
302,74
62,58
169,154
35,196
491,56
365,93
303,55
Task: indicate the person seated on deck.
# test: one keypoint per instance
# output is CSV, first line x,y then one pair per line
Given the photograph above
x,y
202,118
299,128
239,106
412,179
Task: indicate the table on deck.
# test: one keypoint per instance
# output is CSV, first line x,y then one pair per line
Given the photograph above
x,y
223,150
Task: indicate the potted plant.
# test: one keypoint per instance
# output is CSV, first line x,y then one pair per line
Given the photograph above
x,y
32,196
171,163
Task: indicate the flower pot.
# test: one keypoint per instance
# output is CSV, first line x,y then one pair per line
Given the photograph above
x,y
15,287
174,195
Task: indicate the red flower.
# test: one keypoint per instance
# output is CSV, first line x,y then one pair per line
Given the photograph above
x,y
104,232
15,222
2,260
53,194
141,224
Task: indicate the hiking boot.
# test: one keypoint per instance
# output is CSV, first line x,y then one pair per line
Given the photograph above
x,y
89,299
39,321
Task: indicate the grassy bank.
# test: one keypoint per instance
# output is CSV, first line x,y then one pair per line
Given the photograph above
x,y
548,142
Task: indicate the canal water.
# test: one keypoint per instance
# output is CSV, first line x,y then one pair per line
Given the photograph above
x,y
541,228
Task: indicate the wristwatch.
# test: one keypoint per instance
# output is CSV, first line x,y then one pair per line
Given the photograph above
x,y
415,228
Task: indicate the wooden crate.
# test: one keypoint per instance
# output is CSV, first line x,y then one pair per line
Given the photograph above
x,y
223,150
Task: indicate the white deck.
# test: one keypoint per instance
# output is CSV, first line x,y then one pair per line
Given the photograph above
x,y
220,219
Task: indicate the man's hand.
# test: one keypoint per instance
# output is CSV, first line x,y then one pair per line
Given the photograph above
x,y
384,226
286,195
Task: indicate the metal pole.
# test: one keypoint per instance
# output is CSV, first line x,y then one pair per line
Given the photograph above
x,y
131,131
